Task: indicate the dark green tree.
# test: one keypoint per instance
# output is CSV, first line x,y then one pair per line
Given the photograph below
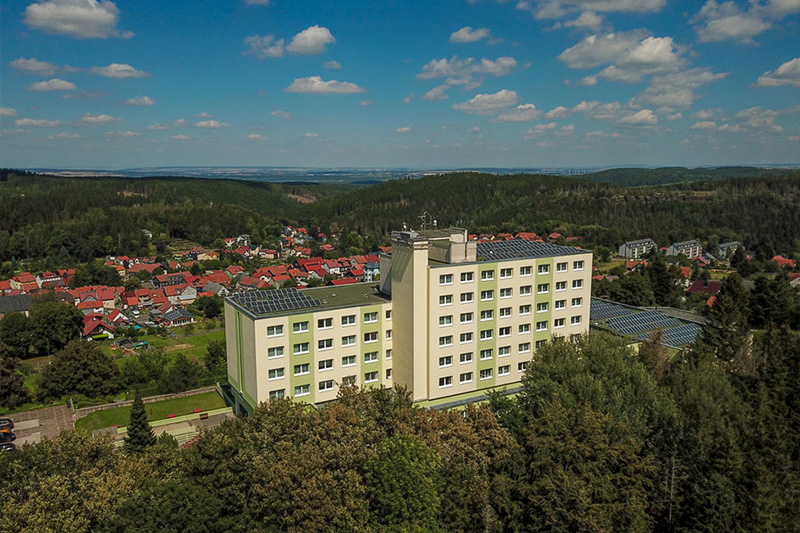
x,y
180,376
55,324
140,434
12,384
16,332
80,368
215,356
727,330
664,280
632,289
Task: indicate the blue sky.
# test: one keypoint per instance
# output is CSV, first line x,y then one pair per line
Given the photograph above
x,y
423,84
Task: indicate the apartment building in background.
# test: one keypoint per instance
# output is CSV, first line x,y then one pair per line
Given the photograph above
x,y
637,249
450,319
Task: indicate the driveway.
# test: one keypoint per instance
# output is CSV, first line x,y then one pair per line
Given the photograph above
x,y
33,426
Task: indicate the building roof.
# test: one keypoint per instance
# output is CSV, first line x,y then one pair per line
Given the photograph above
x,y
292,301
522,249
9,304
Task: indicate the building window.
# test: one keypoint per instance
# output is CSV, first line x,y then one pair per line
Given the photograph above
x,y
525,271
276,373
525,290
524,329
349,360
445,361
560,304
487,334
446,320
503,370
370,357
325,344
446,381
349,340
326,385
302,390
274,331
300,327
301,348
542,307
505,312
561,286
487,314
486,354
486,373
487,275
466,297
575,337
561,267
273,353
504,331
525,309
466,377
487,295
348,380
524,347
575,320
446,299
465,337
446,279
302,370
577,302
371,336
507,292
540,344
325,364
371,377
506,273
466,277
543,288
370,318
388,373
465,318
544,269
324,323
541,325
559,323
504,351
522,367
277,394
465,357
389,353
388,334
446,340
388,314
577,283
577,265
349,320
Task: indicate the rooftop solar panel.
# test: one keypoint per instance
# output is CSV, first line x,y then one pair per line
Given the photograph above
x,y
601,310
519,248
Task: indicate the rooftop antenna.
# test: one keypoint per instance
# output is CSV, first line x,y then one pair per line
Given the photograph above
x,y
426,219
405,226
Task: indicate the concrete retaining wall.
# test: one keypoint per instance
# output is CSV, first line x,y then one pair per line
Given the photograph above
x,y
80,413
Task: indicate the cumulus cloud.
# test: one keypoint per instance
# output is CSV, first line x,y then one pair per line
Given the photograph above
x,y
704,125
83,19
311,41
256,137
587,19
437,93
677,90
316,85
540,128
181,137
786,74
332,65
404,129
521,113
121,134
63,135
365,102
557,112
256,2
140,100
38,122
263,46
488,104
53,85
91,118
281,114
588,81
553,9
34,66
8,112
213,124
119,71
466,68
597,110
725,21
468,35
168,125
758,118
674,116
643,117
310,135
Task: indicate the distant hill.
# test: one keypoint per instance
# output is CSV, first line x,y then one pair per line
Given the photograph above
x,y
636,177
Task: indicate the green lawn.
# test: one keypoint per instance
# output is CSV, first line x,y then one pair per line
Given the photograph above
x,y
603,268
198,342
180,406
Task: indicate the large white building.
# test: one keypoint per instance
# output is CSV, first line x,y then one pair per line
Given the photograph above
x,y
450,319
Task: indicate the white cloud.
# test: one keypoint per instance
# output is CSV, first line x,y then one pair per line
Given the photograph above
x,y
311,135
437,93
83,19
474,129
332,65
169,125
407,99
557,112
781,8
588,81
674,116
725,21
677,90
731,128
63,135
704,125
758,118
641,117
53,85
34,66
256,137
541,128
466,68
598,111
488,104
91,118
786,74
468,35
553,9
181,137
8,112
140,100
587,19
256,2
311,41
119,71
38,122
365,102
404,129
122,134
703,114
315,85
281,114
210,124
264,46
521,113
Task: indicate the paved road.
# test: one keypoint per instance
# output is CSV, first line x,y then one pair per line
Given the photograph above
x,y
33,426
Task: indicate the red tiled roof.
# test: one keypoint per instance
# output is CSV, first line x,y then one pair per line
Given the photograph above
x,y
143,267
706,287
344,281
782,261
25,277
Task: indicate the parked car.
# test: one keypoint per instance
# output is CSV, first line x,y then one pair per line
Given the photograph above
x,y
6,423
8,447
7,437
